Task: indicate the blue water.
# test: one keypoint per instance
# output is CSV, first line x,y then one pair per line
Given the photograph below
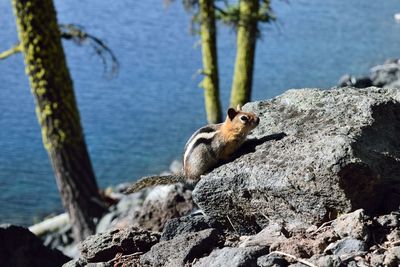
x,y
137,123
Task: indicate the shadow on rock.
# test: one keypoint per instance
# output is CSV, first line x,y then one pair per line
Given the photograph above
x,y
250,145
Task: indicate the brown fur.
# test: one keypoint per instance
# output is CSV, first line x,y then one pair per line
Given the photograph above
x,y
234,131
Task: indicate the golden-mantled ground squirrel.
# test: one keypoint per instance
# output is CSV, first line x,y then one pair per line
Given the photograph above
x,y
207,148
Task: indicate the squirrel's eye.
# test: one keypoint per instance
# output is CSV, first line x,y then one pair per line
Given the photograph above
x,y
244,118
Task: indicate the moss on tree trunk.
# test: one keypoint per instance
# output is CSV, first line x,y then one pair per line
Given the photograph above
x,y
210,82
246,45
57,112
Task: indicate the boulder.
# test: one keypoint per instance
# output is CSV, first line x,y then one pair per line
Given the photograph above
x,y
182,249
21,248
316,154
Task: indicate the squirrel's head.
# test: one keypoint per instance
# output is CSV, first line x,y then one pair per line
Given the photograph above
x,y
241,121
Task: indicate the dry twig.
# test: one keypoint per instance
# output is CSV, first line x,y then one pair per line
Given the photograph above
x,y
231,224
321,227
293,257
13,50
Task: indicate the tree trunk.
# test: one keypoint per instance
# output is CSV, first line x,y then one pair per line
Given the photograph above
x,y
210,82
57,112
246,46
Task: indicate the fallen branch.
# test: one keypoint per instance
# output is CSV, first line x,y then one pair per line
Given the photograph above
x,y
233,227
120,257
394,243
346,257
293,257
322,226
50,225
13,50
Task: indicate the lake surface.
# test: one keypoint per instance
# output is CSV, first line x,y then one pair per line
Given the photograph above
x,y
138,122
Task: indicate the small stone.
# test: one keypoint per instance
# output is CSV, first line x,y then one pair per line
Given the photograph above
x,y
104,246
376,260
297,264
75,263
394,235
326,260
273,233
186,224
352,264
389,220
182,249
272,260
351,225
392,257
311,229
232,257
346,246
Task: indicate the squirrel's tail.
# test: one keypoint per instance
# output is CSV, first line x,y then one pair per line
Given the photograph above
x,y
155,180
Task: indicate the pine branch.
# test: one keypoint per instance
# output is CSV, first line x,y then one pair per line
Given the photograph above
x,y
13,50
79,36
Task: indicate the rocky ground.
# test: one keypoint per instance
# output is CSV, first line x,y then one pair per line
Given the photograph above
x,y
317,184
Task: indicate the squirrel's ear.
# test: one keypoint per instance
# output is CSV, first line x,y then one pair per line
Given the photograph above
x,y
231,113
239,107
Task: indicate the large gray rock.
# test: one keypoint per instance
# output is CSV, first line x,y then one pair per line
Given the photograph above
x,y
316,153
20,248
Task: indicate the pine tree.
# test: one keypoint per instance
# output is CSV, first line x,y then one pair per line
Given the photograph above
x,y
246,17
210,83
57,112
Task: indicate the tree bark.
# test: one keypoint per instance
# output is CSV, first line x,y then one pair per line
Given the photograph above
x,y
246,46
57,112
210,82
